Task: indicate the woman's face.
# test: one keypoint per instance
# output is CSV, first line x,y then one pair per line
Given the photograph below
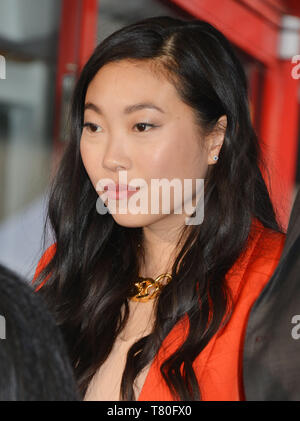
x,y
146,142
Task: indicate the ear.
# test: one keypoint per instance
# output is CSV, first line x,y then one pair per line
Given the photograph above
x,y
216,140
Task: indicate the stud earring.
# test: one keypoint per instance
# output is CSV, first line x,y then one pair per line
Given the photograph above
x,y
215,158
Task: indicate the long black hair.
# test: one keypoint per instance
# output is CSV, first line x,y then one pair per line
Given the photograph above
x,y
96,260
34,361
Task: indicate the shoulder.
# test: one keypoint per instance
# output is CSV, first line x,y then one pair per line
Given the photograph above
x,y
43,262
267,250
258,261
250,274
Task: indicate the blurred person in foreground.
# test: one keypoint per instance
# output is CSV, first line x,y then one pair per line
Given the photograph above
x,y
34,365
272,344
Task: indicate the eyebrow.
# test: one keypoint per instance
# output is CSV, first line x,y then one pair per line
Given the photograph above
x,y
127,110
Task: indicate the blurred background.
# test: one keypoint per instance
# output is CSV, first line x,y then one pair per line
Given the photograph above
x,y
44,45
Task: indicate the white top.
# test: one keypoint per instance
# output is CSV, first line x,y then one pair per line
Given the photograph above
x,y
105,385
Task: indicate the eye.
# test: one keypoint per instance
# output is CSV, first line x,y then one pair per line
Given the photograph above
x,y
143,125
92,128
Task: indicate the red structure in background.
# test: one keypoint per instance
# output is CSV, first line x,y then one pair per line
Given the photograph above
x,y
254,26
77,40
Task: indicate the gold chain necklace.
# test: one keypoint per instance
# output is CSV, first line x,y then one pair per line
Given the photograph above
x,y
147,288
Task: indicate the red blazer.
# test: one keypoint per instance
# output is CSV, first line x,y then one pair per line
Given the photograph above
x,y
219,366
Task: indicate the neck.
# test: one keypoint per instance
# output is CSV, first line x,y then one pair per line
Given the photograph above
x,y
160,251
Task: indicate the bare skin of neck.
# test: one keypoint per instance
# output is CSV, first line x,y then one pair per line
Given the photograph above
x,y
160,245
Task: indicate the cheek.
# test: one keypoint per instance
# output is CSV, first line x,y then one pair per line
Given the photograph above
x,y
191,156
181,156
84,154
89,159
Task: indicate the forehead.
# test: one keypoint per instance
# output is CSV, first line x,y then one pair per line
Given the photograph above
x,y
131,81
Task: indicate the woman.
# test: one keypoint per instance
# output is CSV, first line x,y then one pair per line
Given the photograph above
x,y
161,98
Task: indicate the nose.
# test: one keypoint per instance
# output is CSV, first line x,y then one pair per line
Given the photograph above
x,y
115,157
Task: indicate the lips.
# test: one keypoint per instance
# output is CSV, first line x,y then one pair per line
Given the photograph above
x,y
119,187
119,191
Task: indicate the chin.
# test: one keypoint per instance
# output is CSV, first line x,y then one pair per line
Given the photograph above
x,y
135,221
